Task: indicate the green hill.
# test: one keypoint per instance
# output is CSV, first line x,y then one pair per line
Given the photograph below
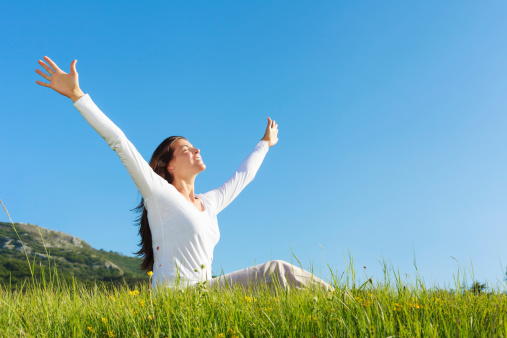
x,y
70,255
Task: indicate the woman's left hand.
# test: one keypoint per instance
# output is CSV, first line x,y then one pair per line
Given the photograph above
x,y
271,135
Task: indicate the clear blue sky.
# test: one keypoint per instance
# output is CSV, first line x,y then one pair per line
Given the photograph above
x,y
392,121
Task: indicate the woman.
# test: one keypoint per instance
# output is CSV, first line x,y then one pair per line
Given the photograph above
x,y
179,228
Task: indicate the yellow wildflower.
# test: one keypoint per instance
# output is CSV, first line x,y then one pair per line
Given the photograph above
x,y
248,299
220,335
91,329
110,334
141,303
112,298
104,320
150,317
150,273
134,312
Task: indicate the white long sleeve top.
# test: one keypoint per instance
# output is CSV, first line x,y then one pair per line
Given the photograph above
x,y
183,237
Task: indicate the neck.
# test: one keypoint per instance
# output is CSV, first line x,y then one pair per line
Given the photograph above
x,y
185,186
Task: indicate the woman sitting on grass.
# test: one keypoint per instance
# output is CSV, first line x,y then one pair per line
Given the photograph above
x,y
179,228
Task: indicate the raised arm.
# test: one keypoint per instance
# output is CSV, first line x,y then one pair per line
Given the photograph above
x,y
224,195
141,173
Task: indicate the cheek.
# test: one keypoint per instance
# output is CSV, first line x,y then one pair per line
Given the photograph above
x,y
185,158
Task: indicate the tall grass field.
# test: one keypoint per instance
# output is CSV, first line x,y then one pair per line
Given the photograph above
x,y
50,306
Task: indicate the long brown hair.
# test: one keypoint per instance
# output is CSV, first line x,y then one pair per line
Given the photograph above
x,y
159,161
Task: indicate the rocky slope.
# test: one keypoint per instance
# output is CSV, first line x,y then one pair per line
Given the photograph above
x,y
71,256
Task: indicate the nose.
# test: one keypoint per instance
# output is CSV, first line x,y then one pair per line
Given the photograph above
x,y
197,151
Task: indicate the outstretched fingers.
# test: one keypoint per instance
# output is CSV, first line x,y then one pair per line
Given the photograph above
x,y
272,123
44,75
43,83
51,63
46,67
60,81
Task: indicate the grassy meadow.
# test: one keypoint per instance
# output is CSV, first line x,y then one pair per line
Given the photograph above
x,y
47,305
384,309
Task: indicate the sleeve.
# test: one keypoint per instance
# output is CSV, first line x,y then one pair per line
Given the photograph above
x,y
141,173
224,195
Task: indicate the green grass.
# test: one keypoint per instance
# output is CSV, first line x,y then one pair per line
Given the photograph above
x,y
62,309
48,305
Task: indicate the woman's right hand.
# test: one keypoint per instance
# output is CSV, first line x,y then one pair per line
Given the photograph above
x,y
59,81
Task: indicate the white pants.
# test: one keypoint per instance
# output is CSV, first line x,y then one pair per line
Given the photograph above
x,y
271,273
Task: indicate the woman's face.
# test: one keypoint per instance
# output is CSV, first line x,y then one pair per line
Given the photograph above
x,y
186,159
